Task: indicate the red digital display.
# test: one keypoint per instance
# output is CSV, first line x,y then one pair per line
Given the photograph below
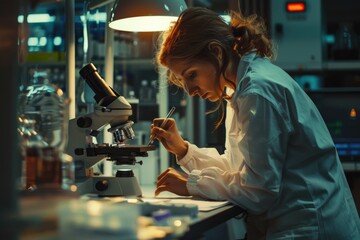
x,y
295,7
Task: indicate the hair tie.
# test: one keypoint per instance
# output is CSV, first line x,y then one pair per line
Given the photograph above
x,y
238,31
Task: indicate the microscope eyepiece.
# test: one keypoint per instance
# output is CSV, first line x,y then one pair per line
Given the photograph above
x,y
104,95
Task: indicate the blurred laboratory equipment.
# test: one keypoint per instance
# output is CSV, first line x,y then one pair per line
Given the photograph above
x,y
92,219
43,129
144,91
309,82
153,90
296,29
346,45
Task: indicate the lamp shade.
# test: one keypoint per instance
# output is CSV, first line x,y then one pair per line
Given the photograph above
x,y
145,15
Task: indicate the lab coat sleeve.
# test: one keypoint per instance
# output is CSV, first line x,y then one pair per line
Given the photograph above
x,y
205,157
255,183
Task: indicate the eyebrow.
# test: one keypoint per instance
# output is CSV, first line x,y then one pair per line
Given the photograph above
x,y
182,73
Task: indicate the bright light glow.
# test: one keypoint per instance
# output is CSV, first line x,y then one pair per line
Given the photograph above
x,y
177,223
60,92
295,7
132,200
93,208
33,41
57,41
37,18
98,17
21,19
143,23
43,41
330,38
226,18
86,40
353,113
73,188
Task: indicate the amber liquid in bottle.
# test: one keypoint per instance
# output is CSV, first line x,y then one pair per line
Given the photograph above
x,y
43,168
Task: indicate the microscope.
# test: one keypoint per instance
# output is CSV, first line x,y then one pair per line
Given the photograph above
x,y
114,110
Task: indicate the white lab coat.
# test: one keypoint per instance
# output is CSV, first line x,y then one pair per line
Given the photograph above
x,y
280,163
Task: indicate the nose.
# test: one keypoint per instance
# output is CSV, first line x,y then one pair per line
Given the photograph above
x,y
193,91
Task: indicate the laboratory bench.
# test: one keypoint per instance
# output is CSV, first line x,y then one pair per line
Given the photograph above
x,y
59,216
206,221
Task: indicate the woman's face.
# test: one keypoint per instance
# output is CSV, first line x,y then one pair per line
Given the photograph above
x,y
198,78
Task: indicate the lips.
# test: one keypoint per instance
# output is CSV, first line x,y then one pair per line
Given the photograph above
x,y
204,96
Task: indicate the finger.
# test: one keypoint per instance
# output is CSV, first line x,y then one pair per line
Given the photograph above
x,y
163,180
160,189
166,177
157,130
170,122
160,182
158,121
163,173
161,133
171,178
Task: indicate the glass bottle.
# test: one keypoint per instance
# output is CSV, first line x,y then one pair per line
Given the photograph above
x,y
346,45
43,110
31,144
153,91
144,91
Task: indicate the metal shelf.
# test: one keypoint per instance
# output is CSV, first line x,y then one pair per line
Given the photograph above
x,y
332,65
342,65
43,64
131,64
351,166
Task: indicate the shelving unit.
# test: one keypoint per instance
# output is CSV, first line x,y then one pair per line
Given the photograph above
x,y
137,63
342,65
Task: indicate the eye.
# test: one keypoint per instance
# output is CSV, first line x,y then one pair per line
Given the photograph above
x,y
192,75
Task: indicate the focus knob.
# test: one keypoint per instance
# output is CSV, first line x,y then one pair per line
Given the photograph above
x,y
102,185
84,122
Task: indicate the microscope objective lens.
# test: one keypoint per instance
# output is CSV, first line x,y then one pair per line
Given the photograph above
x,y
118,136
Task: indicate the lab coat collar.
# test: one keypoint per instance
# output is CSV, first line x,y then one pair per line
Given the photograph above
x,y
242,69
244,65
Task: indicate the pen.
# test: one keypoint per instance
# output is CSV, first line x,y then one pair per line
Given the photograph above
x,y
163,123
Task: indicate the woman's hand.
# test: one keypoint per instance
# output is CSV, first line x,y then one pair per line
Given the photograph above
x,y
169,136
172,181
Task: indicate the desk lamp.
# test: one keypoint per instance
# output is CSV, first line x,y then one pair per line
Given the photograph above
x,y
145,15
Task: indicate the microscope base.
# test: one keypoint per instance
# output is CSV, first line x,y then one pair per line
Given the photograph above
x,y
110,186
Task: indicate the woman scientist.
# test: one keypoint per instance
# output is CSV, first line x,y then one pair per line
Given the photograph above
x,y
280,163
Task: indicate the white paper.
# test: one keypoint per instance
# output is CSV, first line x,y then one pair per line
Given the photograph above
x,y
203,205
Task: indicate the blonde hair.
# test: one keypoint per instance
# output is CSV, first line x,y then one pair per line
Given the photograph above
x,y
197,30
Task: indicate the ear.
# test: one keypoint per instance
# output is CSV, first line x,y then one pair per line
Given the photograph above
x,y
216,50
